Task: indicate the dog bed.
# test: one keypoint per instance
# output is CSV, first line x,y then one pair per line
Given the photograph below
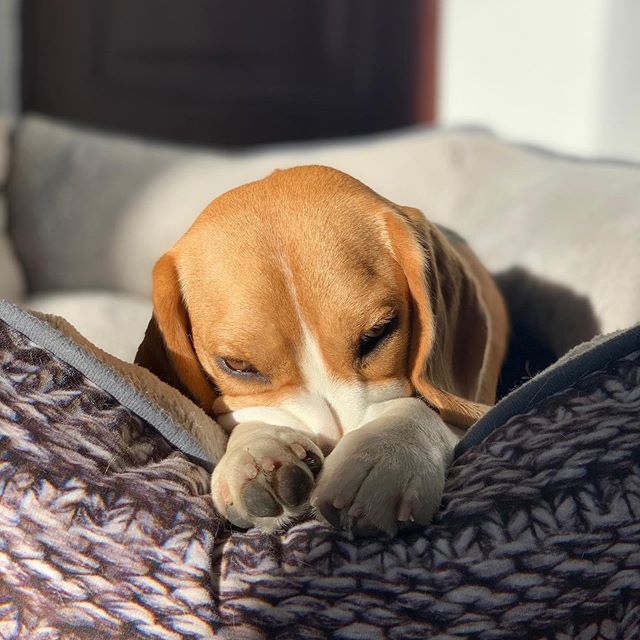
x,y
107,529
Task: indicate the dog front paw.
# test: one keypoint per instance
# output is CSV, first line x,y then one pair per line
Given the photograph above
x,y
265,477
380,478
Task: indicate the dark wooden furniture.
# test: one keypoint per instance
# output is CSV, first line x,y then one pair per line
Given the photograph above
x,y
231,73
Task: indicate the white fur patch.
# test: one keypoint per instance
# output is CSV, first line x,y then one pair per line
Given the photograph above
x,y
331,407
271,415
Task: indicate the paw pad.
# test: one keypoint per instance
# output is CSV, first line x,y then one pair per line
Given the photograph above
x,y
258,502
293,485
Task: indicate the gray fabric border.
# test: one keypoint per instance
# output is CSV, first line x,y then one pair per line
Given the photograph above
x,y
558,377
61,346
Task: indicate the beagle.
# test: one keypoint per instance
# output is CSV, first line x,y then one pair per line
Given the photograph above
x,y
341,340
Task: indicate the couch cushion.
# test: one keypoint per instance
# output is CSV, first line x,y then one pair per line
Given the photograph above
x,y
115,322
96,210
563,229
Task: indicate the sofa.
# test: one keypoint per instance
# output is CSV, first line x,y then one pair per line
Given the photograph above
x,y
86,214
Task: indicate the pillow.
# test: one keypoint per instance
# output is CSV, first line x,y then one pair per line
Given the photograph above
x,y
93,210
564,233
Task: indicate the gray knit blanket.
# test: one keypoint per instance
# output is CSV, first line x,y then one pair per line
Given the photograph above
x,y
107,529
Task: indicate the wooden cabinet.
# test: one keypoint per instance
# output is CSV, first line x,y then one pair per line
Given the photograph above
x,y
230,73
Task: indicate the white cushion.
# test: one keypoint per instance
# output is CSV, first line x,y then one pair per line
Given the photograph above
x,y
115,322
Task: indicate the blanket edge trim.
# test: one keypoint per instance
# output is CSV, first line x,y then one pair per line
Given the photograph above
x,y
581,361
103,376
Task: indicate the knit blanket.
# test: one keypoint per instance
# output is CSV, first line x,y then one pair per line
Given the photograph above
x,y
107,529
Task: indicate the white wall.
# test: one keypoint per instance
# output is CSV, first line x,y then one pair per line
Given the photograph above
x,y
617,130
9,68
559,74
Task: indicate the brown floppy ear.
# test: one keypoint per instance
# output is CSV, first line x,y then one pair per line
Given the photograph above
x,y
450,324
166,349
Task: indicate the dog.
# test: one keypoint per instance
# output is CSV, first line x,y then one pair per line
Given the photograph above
x,y
344,343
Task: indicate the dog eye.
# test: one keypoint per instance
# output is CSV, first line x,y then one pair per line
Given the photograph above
x,y
238,366
370,339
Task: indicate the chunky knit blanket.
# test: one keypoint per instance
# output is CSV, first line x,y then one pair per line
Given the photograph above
x,y
108,531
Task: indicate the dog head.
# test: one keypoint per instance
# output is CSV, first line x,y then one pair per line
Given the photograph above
x,y
307,297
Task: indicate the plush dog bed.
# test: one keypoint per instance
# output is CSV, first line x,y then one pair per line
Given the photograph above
x,y
107,529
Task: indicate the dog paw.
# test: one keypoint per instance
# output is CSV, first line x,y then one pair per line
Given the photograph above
x,y
377,481
266,477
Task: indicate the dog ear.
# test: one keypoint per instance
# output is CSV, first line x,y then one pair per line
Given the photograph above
x,y
167,350
450,324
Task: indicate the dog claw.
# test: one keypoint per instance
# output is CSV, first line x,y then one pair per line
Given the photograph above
x,y
299,450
